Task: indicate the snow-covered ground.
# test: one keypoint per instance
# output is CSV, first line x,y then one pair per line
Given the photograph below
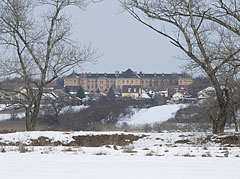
x,y
153,114
7,116
73,108
186,144
68,166
155,156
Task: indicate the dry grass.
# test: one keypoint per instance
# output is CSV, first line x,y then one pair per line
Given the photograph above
x,y
207,154
189,155
150,153
101,153
2,150
16,126
129,149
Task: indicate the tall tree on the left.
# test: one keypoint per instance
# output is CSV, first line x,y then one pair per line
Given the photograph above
x,y
36,46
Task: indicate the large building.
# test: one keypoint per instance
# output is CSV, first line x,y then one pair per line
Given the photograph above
x,y
104,81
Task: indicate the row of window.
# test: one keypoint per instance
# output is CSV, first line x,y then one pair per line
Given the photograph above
x,y
123,82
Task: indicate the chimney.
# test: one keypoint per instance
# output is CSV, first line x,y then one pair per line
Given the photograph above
x,y
116,73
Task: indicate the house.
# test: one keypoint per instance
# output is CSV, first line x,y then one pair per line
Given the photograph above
x,y
206,93
177,96
144,95
5,96
131,91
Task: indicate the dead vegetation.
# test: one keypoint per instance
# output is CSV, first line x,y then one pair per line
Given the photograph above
x,y
82,141
224,140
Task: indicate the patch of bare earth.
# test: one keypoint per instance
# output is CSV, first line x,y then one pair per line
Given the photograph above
x,y
226,139
83,141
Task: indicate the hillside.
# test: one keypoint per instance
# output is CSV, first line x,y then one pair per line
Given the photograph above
x,y
153,114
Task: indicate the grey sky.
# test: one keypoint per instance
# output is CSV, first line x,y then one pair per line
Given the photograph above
x,y
124,42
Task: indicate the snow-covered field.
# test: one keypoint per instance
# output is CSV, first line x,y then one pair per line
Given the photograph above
x,y
73,108
68,166
154,156
7,116
153,114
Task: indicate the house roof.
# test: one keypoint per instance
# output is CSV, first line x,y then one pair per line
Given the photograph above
x,y
163,76
129,74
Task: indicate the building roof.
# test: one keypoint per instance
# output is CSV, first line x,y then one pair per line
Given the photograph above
x,y
162,75
128,74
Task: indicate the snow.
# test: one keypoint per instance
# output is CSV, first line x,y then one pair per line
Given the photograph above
x,y
73,108
159,144
66,166
2,106
154,114
167,162
7,116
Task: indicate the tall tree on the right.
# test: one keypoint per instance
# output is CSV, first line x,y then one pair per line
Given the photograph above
x,y
207,32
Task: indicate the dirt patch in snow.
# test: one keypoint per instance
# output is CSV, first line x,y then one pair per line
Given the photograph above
x,y
101,140
185,141
230,140
82,141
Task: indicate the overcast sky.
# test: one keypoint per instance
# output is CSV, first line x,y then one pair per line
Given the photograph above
x,y
122,41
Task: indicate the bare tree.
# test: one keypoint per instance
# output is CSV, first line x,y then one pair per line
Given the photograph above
x,y
208,42
37,46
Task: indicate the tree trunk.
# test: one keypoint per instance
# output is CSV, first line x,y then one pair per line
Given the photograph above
x,y
233,110
223,101
31,120
32,112
220,122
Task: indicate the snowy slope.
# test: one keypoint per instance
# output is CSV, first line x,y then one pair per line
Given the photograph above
x,y
154,114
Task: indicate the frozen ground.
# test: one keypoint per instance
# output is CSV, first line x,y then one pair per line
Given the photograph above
x,y
155,156
69,166
153,114
73,108
7,116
